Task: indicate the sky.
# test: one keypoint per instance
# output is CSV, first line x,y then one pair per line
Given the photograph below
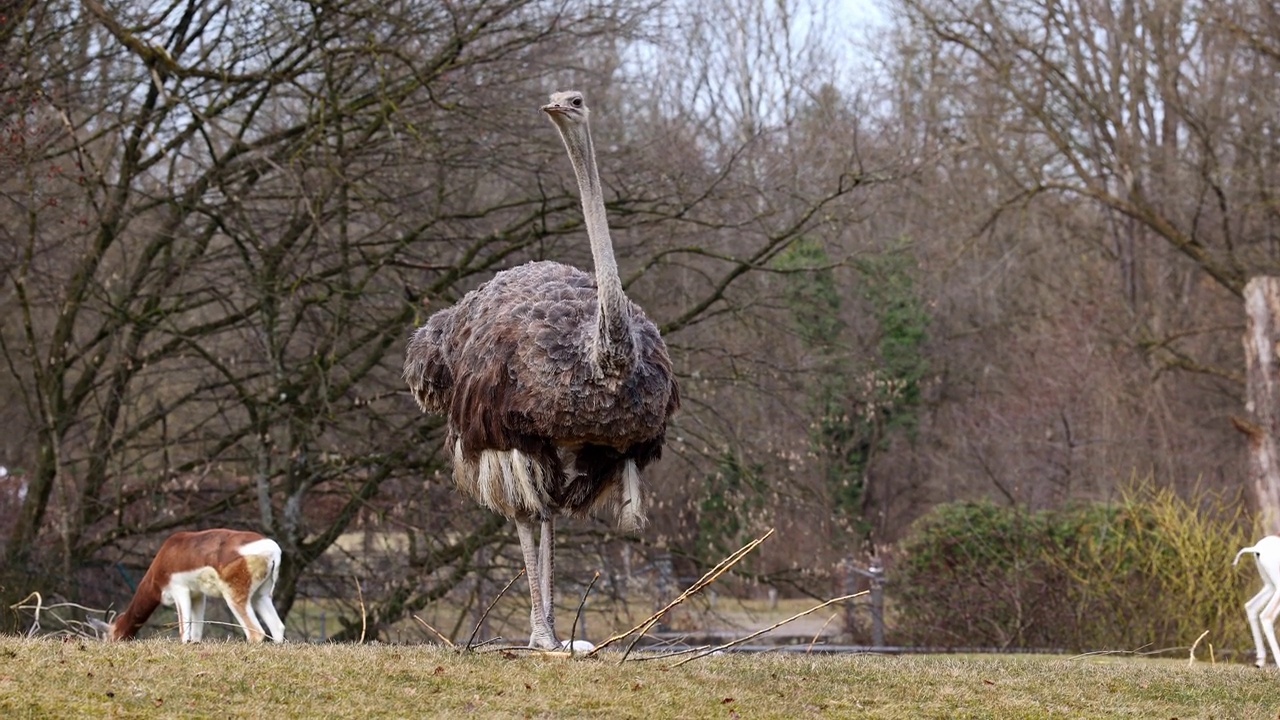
x,y
858,11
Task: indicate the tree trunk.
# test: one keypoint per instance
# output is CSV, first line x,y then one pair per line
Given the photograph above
x,y
1262,405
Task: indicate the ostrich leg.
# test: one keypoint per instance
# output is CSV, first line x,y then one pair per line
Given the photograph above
x,y
547,574
542,636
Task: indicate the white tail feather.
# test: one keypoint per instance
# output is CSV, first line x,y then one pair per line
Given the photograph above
x,y
631,513
526,477
502,477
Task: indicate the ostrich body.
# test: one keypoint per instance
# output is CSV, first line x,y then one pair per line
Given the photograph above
x,y
556,387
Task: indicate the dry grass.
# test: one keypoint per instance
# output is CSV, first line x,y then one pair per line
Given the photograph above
x,y
162,678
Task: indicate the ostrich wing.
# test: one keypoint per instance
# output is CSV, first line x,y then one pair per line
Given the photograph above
x,y
427,368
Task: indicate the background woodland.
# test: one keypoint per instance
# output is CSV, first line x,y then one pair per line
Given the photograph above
x,y
941,251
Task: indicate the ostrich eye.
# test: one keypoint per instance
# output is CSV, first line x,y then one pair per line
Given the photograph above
x,y
577,102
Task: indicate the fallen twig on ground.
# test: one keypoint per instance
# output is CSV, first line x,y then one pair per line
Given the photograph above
x,y
818,634
671,654
364,616
437,633
70,627
776,625
1193,647
573,629
711,575
485,614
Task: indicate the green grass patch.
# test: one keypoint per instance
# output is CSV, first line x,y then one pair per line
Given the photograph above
x,y
162,678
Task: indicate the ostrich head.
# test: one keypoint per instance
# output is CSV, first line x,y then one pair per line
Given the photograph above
x,y
568,110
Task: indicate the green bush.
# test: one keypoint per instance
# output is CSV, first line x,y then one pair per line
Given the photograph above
x,y
1150,572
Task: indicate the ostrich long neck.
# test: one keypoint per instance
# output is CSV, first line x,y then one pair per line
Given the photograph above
x,y
613,348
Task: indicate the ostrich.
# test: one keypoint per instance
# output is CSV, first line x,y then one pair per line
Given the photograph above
x,y
556,386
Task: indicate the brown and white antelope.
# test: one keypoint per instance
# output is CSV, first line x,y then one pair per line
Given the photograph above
x,y
239,566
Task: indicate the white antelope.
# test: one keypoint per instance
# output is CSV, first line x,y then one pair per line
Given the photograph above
x,y
240,567
1263,607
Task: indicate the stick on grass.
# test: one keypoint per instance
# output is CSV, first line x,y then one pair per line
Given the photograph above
x,y
708,578
818,634
70,627
573,629
448,643
1192,661
364,615
758,633
489,609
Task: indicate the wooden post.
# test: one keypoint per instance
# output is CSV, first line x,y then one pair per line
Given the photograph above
x,y
877,603
664,586
848,586
1261,424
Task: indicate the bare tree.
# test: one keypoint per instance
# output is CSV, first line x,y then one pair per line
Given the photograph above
x,y
1108,163
239,211
205,320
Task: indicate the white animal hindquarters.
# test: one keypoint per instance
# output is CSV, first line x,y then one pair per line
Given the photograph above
x,y
1263,608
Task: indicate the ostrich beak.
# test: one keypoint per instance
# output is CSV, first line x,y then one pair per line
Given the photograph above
x,y
554,109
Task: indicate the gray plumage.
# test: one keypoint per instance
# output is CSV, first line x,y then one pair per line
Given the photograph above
x,y
556,386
